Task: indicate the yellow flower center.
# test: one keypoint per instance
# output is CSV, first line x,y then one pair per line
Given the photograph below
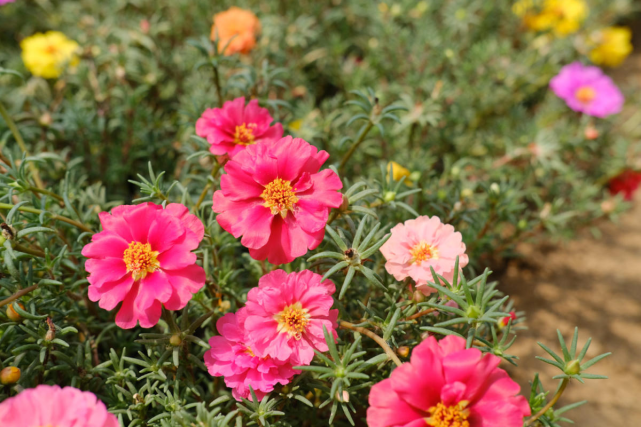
x,y
279,197
293,320
244,134
250,352
423,252
585,94
448,416
140,260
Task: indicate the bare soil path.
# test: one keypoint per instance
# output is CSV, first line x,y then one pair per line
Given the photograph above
x,y
594,284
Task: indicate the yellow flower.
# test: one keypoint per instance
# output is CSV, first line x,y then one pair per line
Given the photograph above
x,y
398,172
46,55
561,16
611,46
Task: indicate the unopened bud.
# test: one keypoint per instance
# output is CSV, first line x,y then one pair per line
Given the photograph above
x,y
120,72
389,196
45,119
573,367
495,188
591,132
418,296
145,26
50,335
343,397
12,314
522,224
175,340
473,312
403,351
9,375
608,206
466,193
344,204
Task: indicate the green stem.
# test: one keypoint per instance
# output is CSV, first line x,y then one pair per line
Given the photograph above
x,y
214,172
551,403
16,134
354,146
53,216
219,92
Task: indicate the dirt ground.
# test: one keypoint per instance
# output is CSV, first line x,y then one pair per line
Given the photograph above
x,y
595,285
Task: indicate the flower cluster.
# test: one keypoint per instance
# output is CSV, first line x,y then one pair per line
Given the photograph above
x,y
279,328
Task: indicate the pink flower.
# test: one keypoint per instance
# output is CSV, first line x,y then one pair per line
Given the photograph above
x,y
2,2
232,128
286,314
48,405
587,90
419,244
143,258
626,183
274,196
231,358
446,385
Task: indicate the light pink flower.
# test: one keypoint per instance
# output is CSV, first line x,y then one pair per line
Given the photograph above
x,y
232,128
143,258
286,314
587,90
446,385
419,244
231,358
48,405
275,197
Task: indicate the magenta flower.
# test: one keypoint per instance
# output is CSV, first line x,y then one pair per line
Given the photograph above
x,y
587,90
231,358
143,259
275,197
445,384
420,244
286,314
48,405
3,2
232,128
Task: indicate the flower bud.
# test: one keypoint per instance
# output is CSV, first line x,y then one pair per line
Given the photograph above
x,y
473,312
50,335
591,132
389,196
573,367
418,296
403,351
9,375
495,188
175,340
45,119
466,193
608,206
344,204
12,314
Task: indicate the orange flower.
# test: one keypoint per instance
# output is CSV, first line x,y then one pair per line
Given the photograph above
x,y
235,30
